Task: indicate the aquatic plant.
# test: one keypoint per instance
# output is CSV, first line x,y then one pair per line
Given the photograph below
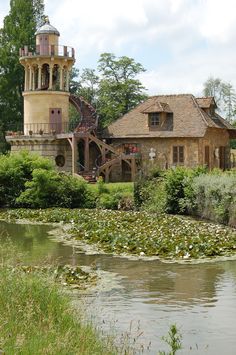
x,y
140,233
66,275
173,339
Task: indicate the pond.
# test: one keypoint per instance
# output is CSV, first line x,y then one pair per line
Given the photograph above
x,y
148,296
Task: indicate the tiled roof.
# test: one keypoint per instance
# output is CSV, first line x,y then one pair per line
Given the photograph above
x,y
157,106
189,119
206,102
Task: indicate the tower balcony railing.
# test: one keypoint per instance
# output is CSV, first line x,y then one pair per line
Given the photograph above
x,y
42,129
47,50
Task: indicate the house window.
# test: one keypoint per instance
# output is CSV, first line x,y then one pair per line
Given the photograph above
x,y
178,154
154,119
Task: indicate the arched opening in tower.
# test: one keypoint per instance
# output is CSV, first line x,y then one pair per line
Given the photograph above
x,y
56,77
45,77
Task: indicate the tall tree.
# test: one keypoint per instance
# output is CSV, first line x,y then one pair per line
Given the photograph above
x,y
229,101
89,86
224,95
213,87
119,89
18,30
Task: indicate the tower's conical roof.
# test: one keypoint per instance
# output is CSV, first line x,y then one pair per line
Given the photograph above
x,y
47,28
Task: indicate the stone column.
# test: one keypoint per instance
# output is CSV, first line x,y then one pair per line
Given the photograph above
x,y
30,77
39,77
61,78
74,154
67,79
33,78
50,77
26,78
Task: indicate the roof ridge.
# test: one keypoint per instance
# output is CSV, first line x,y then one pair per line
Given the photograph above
x,y
205,97
165,95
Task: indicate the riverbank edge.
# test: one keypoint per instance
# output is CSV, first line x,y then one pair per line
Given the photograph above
x,y
37,314
61,232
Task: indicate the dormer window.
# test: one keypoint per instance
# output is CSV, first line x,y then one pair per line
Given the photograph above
x,y
154,119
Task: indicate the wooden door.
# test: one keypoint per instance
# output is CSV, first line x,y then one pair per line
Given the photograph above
x,y
55,115
43,44
222,158
207,156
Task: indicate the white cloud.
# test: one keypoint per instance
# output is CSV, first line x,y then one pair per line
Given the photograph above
x,y
218,20
180,42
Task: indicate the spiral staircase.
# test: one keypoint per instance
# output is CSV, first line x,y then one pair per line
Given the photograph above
x,y
87,131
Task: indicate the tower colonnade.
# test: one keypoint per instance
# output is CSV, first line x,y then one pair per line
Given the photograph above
x,y
50,75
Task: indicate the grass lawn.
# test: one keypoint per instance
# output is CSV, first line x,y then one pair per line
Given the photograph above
x,y
114,187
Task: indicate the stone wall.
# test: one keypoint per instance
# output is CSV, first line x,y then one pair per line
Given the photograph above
x,y
194,151
214,138
49,148
164,151
36,109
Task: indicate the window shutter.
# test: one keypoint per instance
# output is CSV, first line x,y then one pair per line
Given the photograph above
x,y
181,154
175,155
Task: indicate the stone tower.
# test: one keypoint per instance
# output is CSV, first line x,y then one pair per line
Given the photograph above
x,y
74,147
46,98
46,92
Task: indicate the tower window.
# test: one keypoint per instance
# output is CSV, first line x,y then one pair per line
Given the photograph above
x,y
52,111
58,111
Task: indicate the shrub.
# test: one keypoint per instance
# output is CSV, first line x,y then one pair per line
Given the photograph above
x,y
150,195
15,170
140,195
178,186
109,201
53,189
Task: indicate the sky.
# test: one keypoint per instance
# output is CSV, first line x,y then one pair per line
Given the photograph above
x,y
180,43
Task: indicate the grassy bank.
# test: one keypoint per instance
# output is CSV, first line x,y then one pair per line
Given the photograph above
x,y
140,233
36,317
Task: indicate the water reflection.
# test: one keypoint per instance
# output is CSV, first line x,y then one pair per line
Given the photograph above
x,y
200,298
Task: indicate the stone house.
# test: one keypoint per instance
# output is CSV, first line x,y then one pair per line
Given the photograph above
x,y
171,130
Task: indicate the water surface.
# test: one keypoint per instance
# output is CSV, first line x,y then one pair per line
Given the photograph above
x,y
149,295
